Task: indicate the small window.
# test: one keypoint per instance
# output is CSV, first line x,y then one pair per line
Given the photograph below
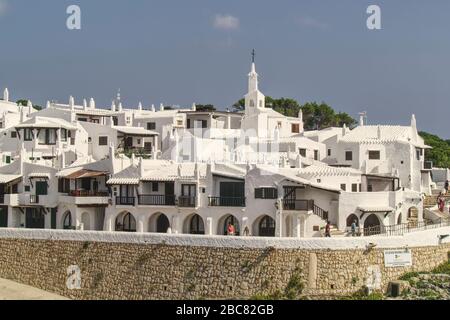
x,y
155,186
13,134
102,141
27,188
28,134
266,193
369,188
316,155
374,155
348,156
204,124
64,135
83,119
280,124
295,128
302,152
151,126
179,123
354,187
343,187
329,152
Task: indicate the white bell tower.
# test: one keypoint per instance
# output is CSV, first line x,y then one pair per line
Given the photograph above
x,y
254,99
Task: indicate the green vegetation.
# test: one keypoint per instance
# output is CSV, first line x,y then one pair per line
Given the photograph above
x,y
293,290
205,108
440,154
23,102
316,116
362,295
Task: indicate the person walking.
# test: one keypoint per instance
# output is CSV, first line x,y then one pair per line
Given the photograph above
x,y
328,230
354,228
231,230
446,186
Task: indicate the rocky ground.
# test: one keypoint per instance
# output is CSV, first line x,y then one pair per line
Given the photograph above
x,y
428,287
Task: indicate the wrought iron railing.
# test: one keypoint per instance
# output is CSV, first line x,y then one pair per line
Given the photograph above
x,y
187,202
226,201
401,229
125,201
298,205
34,199
157,200
320,212
84,193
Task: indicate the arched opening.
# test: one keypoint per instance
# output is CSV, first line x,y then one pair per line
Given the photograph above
x,y
372,225
196,225
67,221
413,217
352,218
162,224
267,227
230,221
86,220
126,222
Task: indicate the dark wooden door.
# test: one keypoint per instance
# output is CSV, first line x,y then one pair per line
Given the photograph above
x,y
34,219
3,217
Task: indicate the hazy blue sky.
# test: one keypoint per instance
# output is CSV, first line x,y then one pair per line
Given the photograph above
x,y
178,52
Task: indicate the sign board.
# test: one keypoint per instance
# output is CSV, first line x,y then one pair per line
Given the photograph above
x,y
397,258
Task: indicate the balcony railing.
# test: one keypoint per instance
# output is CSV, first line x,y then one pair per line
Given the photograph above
x,y
428,165
298,205
84,193
125,201
157,200
226,201
34,199
187,202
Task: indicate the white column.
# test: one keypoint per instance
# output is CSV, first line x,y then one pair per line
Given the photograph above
x,y
140,226
11,221
298,226
209,226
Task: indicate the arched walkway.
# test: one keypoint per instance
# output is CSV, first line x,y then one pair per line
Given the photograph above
x,y
266,227
196,225
86,221
372,225
159,223
351,218
126,222
225,222
67,221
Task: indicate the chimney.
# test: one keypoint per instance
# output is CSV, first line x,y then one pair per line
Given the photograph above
x,y
6,95
92,103
414,123
194,107
113,106
379,132
85,105
140,106
161,107
361,120
153,109
71,102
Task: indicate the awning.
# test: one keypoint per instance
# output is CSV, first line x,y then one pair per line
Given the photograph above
x,y
7,178
123,181
85,174
42,175
136,131
375,209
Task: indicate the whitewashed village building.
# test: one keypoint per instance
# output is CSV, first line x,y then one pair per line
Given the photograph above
x,y
182,171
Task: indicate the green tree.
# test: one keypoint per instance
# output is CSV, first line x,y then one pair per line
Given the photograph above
x,y
205,108
23,102
440,154
315,116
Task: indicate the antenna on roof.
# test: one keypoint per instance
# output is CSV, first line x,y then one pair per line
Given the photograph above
x,y
253,55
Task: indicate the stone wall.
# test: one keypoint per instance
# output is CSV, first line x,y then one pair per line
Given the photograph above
x,y
111,270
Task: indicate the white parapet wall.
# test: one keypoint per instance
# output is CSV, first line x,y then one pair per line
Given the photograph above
x,y
425,238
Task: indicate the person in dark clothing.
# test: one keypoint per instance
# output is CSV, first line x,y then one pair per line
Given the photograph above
x,y
328,230
446,185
